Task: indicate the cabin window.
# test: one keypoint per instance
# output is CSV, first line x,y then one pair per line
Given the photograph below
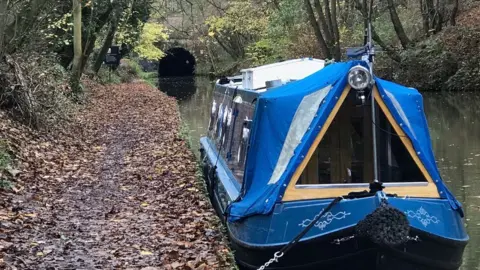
x,y
395,163
345,155
229,129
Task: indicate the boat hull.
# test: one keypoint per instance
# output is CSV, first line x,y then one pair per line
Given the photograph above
x,y
428,252
438,237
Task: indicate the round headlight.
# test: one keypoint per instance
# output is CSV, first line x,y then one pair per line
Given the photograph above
x,y
359,77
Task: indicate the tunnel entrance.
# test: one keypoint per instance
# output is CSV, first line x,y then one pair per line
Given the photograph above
x,y
176,63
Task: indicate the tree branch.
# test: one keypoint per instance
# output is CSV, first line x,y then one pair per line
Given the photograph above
x,y
453,16
316,28
397,24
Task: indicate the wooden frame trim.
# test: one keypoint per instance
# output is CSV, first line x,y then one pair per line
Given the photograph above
x,y
403,137
291,193
294,194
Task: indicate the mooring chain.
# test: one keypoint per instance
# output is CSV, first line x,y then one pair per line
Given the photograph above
x,y
343,239
414,239
275,258
297,238
338,241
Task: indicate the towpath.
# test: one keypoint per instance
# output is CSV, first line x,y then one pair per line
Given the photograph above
x,y
117,190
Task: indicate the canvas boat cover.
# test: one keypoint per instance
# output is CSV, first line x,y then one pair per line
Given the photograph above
x,y
288,119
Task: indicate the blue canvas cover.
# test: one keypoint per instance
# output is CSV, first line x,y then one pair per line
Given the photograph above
x,y
278,110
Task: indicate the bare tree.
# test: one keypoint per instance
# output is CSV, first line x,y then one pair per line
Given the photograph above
x,y
77,45
327,25
434,15
328,15
362,7
397,24
440,15
316,28
88,42
106,45
453,16
336,31
3,22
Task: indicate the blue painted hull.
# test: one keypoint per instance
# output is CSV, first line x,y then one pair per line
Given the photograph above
x,y
438,236
326,253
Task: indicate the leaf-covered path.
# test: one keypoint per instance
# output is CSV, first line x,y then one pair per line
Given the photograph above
x,y
118,191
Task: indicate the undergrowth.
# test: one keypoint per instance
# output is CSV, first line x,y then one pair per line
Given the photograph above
x,y
6,167
34,89
128,71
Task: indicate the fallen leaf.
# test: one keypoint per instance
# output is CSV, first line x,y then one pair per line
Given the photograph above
x,y
12,171
145,253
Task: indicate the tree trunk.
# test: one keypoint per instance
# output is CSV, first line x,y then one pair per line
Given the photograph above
x,y
88,40
453,16
3,22
425,17
390,51
88,49
89,45
77,46
440,15
336,32
328,16
430,9
106,45
324,27
397,25
316,28
361,6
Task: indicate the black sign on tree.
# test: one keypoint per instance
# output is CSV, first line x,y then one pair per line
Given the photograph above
x,y
112,59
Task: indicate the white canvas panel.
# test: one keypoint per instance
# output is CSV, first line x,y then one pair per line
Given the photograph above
x,y
301,121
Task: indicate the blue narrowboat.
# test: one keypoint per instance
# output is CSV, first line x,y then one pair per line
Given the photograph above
x,y
325,166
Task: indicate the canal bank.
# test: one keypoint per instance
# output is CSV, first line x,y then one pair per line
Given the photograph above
x,y
118,189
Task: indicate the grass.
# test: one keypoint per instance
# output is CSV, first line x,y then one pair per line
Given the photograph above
x,y
108,77
150,78
5,159
5,165
129,71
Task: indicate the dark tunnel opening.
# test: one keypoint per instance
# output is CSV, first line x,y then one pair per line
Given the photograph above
x,y
177,62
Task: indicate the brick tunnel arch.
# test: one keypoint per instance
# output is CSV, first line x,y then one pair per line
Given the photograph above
x,y
177,62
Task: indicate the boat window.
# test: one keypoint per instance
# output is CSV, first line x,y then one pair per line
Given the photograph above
x,y
345,155
394,161
229,129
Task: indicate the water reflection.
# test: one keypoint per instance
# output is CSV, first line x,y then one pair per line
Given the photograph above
x,y
454,121
455,129
182,88
194,96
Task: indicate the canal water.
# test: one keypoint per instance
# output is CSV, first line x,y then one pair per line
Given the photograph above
x,y
454,120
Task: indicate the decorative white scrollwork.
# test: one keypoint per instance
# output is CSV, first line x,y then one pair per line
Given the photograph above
x,y
326,219
423,216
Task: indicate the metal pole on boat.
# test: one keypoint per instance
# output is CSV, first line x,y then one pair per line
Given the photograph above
x,y
371,55
374,135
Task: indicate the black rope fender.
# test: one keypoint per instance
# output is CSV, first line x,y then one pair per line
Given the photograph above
x,y
386,226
